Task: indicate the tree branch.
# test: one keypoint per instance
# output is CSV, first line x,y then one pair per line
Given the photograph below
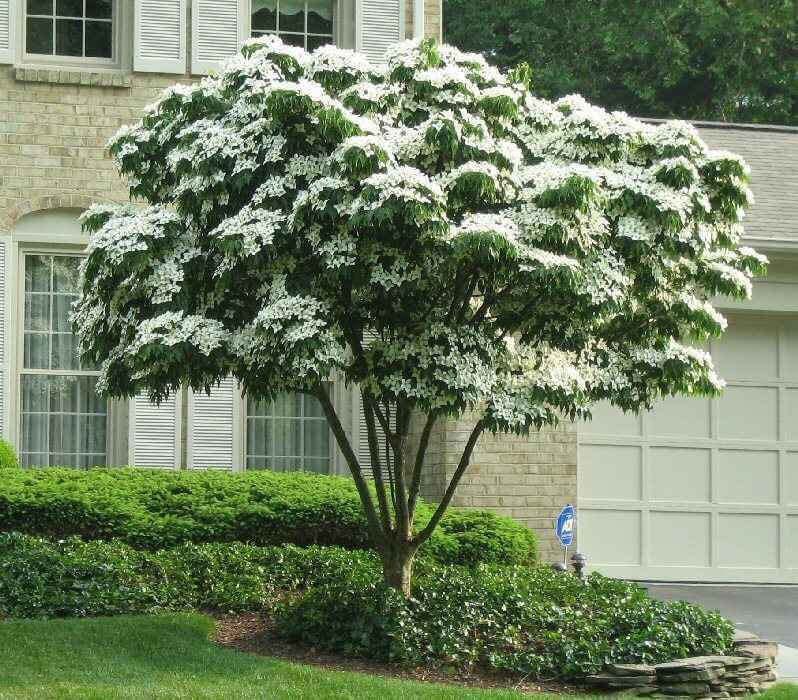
x,y
354,465
376,470
465,460
415,481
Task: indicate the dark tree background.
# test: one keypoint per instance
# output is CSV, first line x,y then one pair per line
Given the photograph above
x,y
724,60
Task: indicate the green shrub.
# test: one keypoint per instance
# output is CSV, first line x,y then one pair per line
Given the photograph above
x,y
518,619
154,510
8,456
73,578
530,621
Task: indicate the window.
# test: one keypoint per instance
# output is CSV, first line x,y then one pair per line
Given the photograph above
x,y
287,434
63,420
75,29
305,23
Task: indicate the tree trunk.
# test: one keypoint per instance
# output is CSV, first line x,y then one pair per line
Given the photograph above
x,y
397,566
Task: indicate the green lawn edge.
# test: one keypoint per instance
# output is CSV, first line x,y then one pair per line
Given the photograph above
x,y
172,656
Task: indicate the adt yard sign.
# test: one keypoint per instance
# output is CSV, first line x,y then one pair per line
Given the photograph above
x,y
565,526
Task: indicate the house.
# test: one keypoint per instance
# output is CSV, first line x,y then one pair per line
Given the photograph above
x,y
695,490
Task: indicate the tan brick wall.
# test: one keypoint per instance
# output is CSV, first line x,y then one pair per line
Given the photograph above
x,y
433,18
529,478
53,136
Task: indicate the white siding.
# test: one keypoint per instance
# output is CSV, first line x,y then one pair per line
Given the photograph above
x,y
160,36
217,29
211,427
380,23
154,438
6,33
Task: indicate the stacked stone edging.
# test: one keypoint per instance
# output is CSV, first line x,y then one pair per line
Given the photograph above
x,y
749,669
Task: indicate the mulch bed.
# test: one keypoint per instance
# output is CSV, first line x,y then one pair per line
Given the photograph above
x,y
254,633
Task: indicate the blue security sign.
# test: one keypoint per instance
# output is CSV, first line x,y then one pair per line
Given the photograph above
x,y
564,528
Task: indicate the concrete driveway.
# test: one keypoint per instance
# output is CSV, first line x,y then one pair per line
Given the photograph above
x,y
771,612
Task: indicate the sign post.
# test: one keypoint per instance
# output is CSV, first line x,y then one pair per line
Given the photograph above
x,y
564,529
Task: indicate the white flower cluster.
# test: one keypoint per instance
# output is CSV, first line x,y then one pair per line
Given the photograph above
x,y
506,251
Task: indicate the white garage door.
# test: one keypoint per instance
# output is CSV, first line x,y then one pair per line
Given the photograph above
x,y
699,489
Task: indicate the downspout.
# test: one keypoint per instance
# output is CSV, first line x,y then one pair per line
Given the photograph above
x,y
418,19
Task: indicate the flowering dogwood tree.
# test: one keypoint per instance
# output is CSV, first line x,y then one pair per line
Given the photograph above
x,y
428,231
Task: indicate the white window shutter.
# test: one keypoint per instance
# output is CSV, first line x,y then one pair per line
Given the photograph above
x,y
160,36
218,28
380,23
155,430
211,426
6,31
363,451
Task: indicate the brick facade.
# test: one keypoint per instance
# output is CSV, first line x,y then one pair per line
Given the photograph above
x,y
54,125
529,478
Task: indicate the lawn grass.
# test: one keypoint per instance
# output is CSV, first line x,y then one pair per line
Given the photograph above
x,y
170,656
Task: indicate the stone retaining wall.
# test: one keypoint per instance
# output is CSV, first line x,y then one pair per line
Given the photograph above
x,y
749,669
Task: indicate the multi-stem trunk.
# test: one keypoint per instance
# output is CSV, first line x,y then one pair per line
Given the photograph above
x,y
397,566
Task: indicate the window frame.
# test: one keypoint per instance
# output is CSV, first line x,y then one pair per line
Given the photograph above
x,y
120,52
17,341
243,426
334,35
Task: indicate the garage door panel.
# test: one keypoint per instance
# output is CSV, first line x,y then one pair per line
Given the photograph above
x,y
748,540
749,413
611,536
791,414
680,539
611,472
788,362
748,351
612,421
680,416
679,474
747,476
791,480
699,489
791,535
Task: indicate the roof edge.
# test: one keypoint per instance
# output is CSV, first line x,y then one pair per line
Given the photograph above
x,y
728,125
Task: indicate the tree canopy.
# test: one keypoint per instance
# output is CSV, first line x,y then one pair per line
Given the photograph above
x,y
428,231
724,60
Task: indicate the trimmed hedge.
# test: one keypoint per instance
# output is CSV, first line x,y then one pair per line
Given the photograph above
x,y
159,509
8,456
518,619
73,578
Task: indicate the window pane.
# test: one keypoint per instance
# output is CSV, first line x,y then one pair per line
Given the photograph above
x,y
293,40
62,310
37,273
37,351
64,352
287,435
264,15
40,7
259,441
320,14
99,42
292,16
69,8
316,439
64,422
98,9
69,37
315,41
37,312
65,273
